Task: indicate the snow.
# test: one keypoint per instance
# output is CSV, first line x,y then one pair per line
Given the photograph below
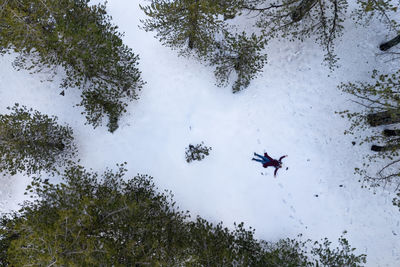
x,y
289,109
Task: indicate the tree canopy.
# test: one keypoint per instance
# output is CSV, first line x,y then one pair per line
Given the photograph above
x,y
106,220
31,142
80,38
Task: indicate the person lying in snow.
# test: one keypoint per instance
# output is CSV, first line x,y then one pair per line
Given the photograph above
x,y
267,161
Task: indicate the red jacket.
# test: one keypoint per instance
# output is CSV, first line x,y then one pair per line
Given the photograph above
x,y
273,162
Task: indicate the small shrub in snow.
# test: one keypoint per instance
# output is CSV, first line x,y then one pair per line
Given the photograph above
x,y
31,142
196,152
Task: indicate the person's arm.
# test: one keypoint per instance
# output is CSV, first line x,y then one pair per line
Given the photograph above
x,y
282,157
276,170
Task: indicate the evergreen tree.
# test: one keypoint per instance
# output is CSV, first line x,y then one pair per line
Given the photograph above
x,y
384,11
92,220
229,8
239,53
81,39
32,142
190,26
106,220
296,252
302,19
381,101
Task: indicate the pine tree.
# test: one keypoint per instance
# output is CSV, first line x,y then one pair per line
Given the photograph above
x,y
300,20
96,220
296,252
107,220
189,26
229,8
381,101
81,39
239,53
31,142
386,12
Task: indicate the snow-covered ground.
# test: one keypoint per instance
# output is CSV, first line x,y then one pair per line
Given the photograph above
x,y
290,110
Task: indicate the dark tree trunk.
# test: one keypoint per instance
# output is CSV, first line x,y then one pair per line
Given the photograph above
x,y
190,44
385,148
193,24
302,9
383,118
390,44
389,133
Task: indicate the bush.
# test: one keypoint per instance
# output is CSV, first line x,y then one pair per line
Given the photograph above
x,y
197,152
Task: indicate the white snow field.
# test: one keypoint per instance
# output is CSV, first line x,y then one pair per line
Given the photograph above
x,y
289,109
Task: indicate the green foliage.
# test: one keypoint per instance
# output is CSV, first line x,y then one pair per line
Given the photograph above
x,y
302,19
106,220
229,8
98,221
5,241
32,142
241,54
287,253
81,39
187,25
340,256
197,152
382,95
384,10
195,28
295,252
216,245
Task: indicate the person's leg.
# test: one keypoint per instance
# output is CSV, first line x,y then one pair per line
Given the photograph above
x,y
255,154
258,160
265,159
